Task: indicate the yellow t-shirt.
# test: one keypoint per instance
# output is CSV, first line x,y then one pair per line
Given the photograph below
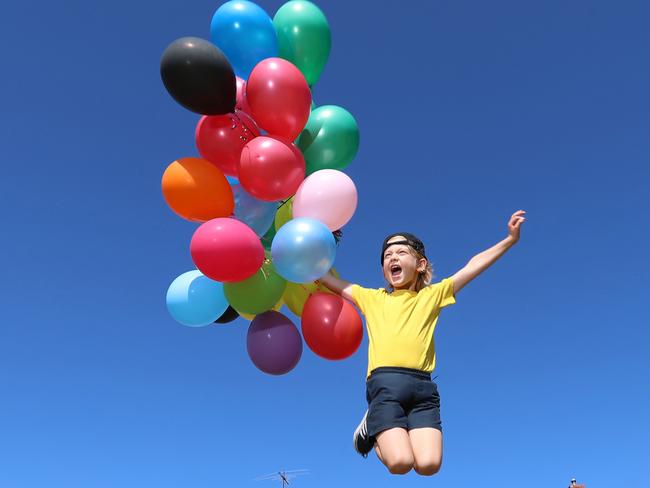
x,y
400,324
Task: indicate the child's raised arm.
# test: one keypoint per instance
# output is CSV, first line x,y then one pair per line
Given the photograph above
x,y
338,286
484,260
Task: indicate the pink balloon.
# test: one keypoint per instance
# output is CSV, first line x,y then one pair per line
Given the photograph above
x,y
220,139
226,250
242,103
271,168
279,97
327,195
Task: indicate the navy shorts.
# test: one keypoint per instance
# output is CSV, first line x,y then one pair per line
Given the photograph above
x,y
401,397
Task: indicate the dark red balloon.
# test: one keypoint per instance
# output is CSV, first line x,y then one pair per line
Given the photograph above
x,y
332,328
271,168
279,97
220,139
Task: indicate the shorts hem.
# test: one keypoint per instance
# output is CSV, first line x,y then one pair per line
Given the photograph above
x,y
437,427
378,430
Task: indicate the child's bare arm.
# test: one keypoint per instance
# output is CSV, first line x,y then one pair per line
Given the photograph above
x,y
484,260
338,286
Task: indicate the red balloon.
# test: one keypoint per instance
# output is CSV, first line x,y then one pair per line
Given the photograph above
x,y
220,139
331,326
271,168
242,103
279,97
226,250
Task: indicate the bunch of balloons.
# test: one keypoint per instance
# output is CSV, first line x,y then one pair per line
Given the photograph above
x,y
267,189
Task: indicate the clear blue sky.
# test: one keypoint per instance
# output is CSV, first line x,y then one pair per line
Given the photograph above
x,y
468,111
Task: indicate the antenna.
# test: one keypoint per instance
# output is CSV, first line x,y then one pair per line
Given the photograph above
x,y
283,476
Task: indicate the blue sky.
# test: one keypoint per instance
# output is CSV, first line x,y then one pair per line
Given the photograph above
x,y
468,111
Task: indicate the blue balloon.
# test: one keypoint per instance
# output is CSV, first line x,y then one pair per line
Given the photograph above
x,y
257,214
245,33
195,300
232,180
303,250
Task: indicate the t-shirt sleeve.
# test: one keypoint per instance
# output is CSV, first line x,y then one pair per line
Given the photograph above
x,y
443,293
362,297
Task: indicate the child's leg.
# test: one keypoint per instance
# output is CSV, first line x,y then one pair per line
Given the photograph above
x,y
393,448
427,450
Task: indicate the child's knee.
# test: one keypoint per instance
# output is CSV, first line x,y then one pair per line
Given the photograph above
x,y
400,465
428,469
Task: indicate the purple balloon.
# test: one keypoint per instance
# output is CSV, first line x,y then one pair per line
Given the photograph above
x,y
274,343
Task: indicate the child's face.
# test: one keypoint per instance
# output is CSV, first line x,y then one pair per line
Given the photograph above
x,y
401,267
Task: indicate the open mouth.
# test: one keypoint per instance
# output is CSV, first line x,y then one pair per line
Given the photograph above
x,y
395,270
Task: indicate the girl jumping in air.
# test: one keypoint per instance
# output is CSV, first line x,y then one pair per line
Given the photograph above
x,y
403,418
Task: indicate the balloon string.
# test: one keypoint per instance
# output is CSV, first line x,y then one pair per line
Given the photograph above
x,y
236,120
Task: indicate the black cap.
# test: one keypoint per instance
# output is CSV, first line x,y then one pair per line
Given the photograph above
x,y
409,239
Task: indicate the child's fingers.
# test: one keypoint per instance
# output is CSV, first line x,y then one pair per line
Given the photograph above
x,y
517,214
516,223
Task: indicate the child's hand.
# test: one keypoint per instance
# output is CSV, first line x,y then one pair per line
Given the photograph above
x,y
515,224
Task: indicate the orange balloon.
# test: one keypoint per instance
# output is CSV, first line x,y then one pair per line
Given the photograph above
x,y
197,190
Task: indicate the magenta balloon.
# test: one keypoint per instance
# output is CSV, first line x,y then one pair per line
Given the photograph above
x,y
327,195
242,103
273,343
271,168
279,97
226,250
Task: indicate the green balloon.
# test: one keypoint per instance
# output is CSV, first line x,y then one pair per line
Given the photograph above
x,y
330,139
258,293
304,37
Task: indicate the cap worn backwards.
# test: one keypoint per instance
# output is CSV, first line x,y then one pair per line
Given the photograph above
x,y
409,239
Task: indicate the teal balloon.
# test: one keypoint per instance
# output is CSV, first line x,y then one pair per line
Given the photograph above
x,y
267,239
330,140
195,300
304,37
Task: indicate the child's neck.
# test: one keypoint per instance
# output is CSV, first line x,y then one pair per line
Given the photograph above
x,y
407,287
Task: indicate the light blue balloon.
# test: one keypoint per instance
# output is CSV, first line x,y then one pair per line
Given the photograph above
x,y
245,33
303,250
195,300
232,180
257,214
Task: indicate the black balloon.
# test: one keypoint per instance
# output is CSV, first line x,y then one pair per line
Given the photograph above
x,y
228,316
199,76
